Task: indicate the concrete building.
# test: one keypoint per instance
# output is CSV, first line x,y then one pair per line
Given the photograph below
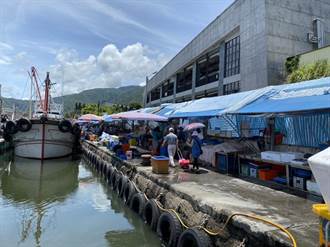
x,y
244,48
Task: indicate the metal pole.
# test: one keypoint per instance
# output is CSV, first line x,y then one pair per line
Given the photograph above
x,y
30,106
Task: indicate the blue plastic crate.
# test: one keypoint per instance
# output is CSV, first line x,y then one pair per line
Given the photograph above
x,y
302,173
280,180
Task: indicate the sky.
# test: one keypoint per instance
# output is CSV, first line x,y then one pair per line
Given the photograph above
x,y
88,44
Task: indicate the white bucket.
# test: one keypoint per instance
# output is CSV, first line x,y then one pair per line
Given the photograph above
x,y
129,155
320,165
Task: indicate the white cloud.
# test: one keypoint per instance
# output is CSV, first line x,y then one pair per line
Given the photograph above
x,y
5,46
110,68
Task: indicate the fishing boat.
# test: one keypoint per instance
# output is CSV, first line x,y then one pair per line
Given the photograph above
x,y
45,134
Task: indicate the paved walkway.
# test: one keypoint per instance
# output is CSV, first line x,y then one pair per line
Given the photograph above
x,y
223,192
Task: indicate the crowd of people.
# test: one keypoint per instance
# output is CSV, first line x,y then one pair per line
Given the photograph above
x,y
160,140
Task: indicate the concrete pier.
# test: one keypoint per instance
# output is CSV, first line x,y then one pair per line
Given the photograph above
x,y
209,198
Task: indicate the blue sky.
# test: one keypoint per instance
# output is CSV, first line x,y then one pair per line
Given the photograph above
x,y
95,43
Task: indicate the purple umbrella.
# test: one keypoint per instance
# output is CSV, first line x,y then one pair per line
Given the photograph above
x,y
194,126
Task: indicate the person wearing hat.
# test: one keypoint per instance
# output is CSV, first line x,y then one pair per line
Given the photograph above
x,y
171,140
196,149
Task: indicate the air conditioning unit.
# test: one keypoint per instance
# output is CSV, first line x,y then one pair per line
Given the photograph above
x,y
312,38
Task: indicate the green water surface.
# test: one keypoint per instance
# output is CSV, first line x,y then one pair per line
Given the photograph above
x,y
63,203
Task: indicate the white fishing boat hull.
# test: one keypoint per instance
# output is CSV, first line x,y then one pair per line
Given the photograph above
x,y
43,141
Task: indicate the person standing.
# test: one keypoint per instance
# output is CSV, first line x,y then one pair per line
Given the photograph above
x,y
196,149
156,138
172,142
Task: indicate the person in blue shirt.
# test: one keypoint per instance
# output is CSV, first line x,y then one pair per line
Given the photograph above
x,y
196,149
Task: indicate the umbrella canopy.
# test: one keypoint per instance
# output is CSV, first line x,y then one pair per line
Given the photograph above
x,y
90,118
194,126
139,116
107,118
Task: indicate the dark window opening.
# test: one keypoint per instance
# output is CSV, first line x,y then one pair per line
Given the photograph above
x,y
184,80
167,88
155,94
208,68
230,88
232,57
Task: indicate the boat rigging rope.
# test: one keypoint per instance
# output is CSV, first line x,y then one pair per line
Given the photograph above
x,y
255,217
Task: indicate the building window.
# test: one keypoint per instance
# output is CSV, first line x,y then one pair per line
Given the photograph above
x,y
184,80
232,57
208,68
167,88
155,94
230,88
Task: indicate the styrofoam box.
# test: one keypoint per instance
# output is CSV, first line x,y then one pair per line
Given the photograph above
x,y
312,186
289,156
320,165
271,155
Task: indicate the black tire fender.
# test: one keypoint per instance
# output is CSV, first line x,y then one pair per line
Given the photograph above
x,y
75,130
151,214
121,185
109,172
169,229
105,168
129,191
113,179
137,203
11,128
194,237
24,124
65,126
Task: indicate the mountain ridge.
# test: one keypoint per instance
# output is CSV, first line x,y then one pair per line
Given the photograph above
x,y
122,95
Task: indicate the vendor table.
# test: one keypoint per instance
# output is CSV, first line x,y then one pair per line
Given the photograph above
x,y
257,157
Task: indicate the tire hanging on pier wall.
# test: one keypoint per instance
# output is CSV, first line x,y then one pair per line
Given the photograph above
x,y
169,229
137,203
121,185
194,237
129,191
113,180
65,126
151,213
23,124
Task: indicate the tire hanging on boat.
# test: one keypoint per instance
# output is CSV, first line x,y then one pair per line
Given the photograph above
x,y
137,203
43,119
11,128
75,130
169,229
65,126
23,124
151,213
194,237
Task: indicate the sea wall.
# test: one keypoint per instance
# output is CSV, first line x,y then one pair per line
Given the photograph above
x,y
240,231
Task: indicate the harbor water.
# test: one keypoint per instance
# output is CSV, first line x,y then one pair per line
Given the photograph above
x,y
64,203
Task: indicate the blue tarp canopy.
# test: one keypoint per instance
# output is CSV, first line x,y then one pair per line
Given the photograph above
x,y
298,97
208,107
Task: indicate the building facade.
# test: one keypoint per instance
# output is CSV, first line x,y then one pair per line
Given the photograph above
x,y
244,48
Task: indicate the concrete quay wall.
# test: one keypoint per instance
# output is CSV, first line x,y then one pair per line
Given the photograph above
x,y
192,211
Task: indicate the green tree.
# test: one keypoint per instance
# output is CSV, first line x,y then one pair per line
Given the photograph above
x,y
316,70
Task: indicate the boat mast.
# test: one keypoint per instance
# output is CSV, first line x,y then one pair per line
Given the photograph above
x,y
30,103
47,87
35,77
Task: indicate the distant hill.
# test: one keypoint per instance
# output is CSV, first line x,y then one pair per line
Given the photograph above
x,y
122,95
